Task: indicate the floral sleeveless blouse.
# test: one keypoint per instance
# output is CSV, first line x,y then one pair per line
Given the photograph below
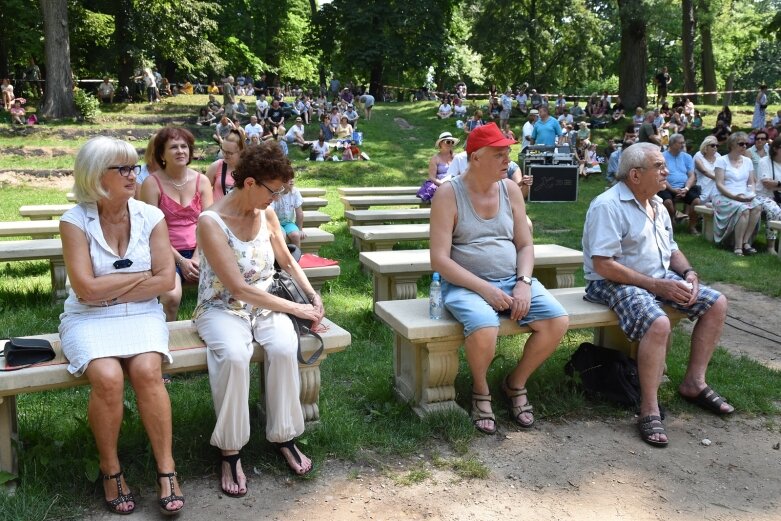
x,y
255,259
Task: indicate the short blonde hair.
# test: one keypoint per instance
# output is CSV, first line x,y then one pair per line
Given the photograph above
x,y
709,140
91,164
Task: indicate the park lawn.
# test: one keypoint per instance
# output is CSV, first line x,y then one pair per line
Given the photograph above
x,y
57,456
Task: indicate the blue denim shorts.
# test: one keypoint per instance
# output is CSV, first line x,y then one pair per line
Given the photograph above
x,y
288,227
471,310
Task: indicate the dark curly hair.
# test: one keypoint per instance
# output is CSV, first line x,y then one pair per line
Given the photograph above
x,y
264,162
168,133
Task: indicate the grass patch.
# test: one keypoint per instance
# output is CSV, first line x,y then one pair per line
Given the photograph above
x,y
359,410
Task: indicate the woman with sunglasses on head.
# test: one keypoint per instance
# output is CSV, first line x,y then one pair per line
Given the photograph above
x,y
438,166
735,208
768,185
220,173
181,193
240,239
118,258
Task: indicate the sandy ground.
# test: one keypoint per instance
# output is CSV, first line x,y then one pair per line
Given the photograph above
x,y
585,470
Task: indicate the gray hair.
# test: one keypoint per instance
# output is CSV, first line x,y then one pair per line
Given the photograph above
x,y
677,137
633,157
91,164
734,138
650,113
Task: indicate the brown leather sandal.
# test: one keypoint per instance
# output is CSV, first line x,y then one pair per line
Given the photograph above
x,y
479,415
517,410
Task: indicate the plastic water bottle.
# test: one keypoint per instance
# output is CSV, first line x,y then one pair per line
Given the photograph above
x,y
435,305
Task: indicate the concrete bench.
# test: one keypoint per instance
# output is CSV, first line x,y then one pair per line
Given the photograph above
x,y
706,212
305,192
425,351
312,217
776,225
314,203
383,237
189,354
363,202
315,237
395,273
44,211
35,229
51,250
369,217
378,190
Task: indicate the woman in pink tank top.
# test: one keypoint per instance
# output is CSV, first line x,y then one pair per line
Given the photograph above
x,y
181,193
222,169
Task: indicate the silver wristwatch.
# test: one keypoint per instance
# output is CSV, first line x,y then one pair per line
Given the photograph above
x,y
525,279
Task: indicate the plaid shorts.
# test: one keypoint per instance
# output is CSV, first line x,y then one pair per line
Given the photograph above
x,y
637,308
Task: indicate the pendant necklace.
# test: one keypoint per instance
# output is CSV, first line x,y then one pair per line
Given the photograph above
x,y
181,185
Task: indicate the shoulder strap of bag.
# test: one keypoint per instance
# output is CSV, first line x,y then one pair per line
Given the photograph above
x,y
303,330
223,176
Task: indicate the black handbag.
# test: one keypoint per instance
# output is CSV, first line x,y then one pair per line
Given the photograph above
x,y
605,373
24,352
284,286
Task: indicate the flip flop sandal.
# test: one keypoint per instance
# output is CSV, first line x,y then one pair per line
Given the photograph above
x,y
112,505
516,410
232,460
649,426
709,400
291,446
479,415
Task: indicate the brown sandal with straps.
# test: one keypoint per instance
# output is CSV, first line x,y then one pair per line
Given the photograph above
x,y
112,505
517,410
479,415
164,501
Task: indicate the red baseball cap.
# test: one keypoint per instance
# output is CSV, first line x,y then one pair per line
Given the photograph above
x,y
487,136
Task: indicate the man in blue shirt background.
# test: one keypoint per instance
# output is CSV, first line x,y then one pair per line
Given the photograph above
x,y
681,182
547,130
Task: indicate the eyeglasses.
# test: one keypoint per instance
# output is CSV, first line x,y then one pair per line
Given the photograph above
x,y
124,171
274,194
661,165
742,144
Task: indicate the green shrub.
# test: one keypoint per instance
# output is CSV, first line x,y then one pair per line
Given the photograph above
x,y
88,105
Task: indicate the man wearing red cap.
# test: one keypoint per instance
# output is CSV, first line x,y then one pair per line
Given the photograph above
x,y
482,246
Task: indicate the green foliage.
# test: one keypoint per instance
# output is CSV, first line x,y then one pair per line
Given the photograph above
x,y
241,58
88,105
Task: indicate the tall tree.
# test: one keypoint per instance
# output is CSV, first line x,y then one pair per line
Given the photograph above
x,y
633,60
688,27
58,97
707,62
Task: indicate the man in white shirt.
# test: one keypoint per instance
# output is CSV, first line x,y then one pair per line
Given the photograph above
x,y
528,128
445,110
566,118
253,127
261,108
459,164
295,136
320,149
522,99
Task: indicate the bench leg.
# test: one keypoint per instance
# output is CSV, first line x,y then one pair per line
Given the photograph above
x,y
8,436
309,394
707,227
395,288
425,374
310,248
59,275
557,277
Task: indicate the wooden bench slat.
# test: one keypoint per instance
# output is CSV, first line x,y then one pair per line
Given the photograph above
x,y
384,236
36,229
378,190
380,216
363,202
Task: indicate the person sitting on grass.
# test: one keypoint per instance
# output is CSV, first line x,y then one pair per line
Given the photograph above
x,y
17,113
633,265
352,116
295,136
344,130
320,149
222,129
445,110
106,91
482,247
290,213
697,120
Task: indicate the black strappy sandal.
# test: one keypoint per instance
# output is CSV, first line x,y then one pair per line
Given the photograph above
x,y
232,460
121,498
291,446
164,501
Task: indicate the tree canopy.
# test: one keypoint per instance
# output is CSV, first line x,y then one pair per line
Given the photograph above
x,y
575,46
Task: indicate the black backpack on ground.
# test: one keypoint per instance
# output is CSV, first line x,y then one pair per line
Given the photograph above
x,y
606,373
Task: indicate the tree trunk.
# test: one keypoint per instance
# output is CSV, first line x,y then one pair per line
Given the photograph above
x,y
58,95
124,45
708,63
375,79
728,87
633,59
687,38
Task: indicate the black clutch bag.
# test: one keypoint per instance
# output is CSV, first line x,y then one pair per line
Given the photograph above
x,y
24,352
